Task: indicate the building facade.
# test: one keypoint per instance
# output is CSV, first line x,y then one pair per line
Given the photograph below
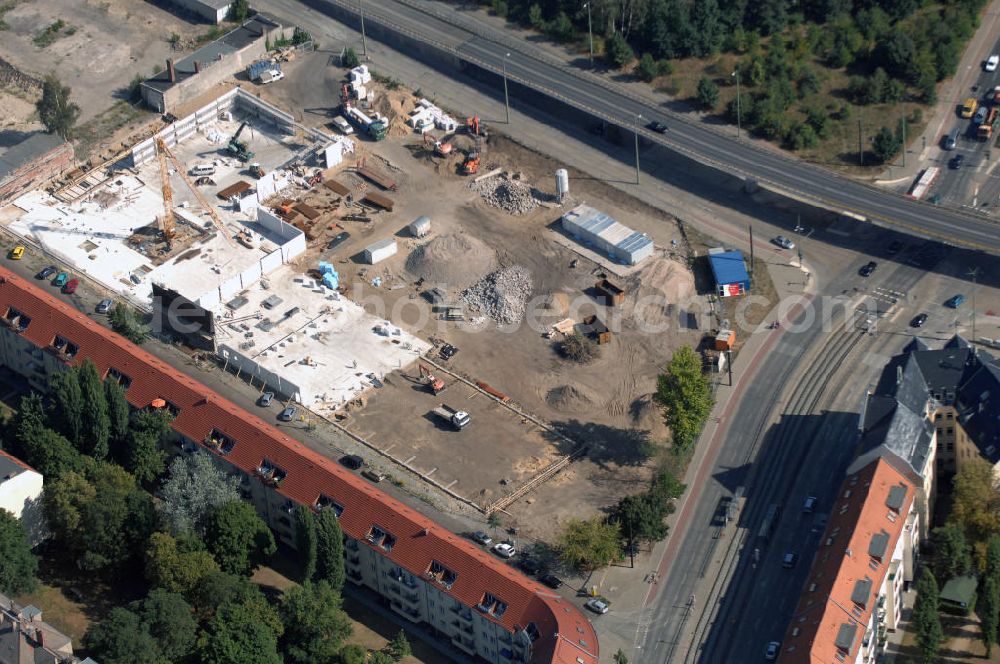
x,y
21,495
424,572
31,163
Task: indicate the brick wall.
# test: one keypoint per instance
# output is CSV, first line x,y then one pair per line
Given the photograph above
x,y
37,172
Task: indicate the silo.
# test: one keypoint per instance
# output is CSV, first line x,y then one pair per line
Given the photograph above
x,y
562,182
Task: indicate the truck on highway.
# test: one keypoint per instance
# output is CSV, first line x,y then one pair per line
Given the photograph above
x,y
985,130
457,418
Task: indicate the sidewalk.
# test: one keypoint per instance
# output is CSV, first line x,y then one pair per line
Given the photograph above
x,y
633,590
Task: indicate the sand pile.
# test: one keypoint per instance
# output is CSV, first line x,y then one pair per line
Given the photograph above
x,y
570,399
647,415
454,261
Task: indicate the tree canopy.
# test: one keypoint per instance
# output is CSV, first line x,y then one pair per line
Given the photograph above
x,y
193,488
589,544
684,394
177,567
976,500
926,620
234,635
315,624
952,556
305,540
18,565
55,110
329,549
238,539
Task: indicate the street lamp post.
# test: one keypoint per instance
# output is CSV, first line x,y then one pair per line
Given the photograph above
x,y
506,98
590,31
739,113
636,132
364,43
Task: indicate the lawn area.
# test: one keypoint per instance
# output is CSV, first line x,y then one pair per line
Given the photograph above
x,y
66,615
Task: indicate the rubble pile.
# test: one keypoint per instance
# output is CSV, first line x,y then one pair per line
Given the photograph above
x,y
508,193
501,295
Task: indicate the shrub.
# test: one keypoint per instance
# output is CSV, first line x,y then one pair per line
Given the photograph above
x,y
578,348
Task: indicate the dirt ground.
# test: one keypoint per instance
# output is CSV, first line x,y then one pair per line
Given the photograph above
x,y
603,405
962,643
103,44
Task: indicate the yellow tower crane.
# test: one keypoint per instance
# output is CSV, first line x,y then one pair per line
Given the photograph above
x,y
167,220
162,149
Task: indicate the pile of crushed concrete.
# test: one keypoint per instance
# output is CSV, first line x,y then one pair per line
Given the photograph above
x,y
501,295
507,192
451,261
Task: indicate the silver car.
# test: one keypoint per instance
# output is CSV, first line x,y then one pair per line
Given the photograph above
x,y
784,242
104,306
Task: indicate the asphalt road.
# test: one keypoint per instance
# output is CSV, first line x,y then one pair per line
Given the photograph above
x,y
471,41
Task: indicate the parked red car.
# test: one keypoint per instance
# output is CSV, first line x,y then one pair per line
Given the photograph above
x,y
70,286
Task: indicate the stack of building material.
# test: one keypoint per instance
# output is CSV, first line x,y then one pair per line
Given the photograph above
x,y
330,277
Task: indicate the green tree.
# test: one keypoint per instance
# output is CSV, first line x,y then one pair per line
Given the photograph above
x,y
67,406
886,144
535,18
239,10
707,93
234,635
399,647
121,638
94,417
951,551
378,657
926,620
617,51
177,567
238,539
305,541
44,449
976,500
18,565
193,488
169,620
561,28
685,396
808,82
620,657
350,58
145,455
217,588
589,544
991,559
55,110
989,612
494,521
353,654
329,549
100,515
124,322
641,516
647,69
315,624
118,415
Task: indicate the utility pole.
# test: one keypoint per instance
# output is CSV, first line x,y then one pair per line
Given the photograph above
x,y
636,131
590,31
364,43
861,146
739,113
506,98
904,139
974,273
751,255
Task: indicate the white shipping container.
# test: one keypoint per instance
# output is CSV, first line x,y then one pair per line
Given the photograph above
x,y
379,251
420,226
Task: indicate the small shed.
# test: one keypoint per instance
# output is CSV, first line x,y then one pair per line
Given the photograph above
x,y
420,226
959,594
725,340
595,328
379,251
730,272
612,293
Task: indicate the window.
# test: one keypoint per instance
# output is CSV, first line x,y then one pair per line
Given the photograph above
x,y
937,417
441,574
119,378
381,538
940,431
324,501
951,416
270,473
951,430
65,346
17,319
220,442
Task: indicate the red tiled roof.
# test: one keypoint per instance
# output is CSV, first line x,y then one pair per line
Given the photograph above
x,y
840,565
22,464
419,540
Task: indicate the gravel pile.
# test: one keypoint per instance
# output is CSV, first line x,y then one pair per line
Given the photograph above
x,y
509,194
452,261
501,295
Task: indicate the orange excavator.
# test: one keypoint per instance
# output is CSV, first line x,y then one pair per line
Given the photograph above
x,y
471,164
433,383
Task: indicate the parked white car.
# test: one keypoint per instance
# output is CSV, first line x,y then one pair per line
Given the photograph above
x,y
992,62
597,605
505,550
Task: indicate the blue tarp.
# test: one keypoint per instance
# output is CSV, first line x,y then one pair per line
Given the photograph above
x,y
330,277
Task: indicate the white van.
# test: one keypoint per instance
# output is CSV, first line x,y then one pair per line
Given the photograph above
x,y
203,169
341,123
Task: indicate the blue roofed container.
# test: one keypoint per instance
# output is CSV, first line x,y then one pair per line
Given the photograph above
x,y
730,272
600,231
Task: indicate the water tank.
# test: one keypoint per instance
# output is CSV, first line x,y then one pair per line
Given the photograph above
x,y
562,182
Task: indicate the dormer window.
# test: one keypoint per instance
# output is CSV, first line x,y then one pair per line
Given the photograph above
x,y
441,574
270,473
492,605
326,502
381,538
17,319
220,442
119,378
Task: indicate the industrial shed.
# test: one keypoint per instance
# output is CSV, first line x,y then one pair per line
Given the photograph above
x,y
729,271
599,230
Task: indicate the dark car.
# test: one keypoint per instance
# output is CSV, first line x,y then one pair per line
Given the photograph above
x,y
46,272
529,565
288,414
867,269
956,161
658,127
340,239
894,247
955,301
918,320
352,461
71,286
551,580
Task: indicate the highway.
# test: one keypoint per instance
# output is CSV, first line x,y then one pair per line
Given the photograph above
x,y
461,35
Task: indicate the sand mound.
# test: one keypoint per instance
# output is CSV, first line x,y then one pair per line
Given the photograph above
x,y
570,399
669,277
454,261
647,415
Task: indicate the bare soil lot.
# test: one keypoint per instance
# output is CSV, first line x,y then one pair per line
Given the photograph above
x,y
100,47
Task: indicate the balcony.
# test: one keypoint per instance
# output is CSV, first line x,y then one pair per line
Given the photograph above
x,y
412,597
462,645
354,560
354,575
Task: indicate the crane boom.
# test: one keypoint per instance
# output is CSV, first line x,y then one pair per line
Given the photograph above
x,y
197,194
167,220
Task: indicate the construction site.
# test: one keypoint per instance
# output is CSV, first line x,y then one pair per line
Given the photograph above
x,y
405,273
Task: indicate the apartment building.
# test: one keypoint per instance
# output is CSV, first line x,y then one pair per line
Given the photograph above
x,y
425,573
21,495
853,594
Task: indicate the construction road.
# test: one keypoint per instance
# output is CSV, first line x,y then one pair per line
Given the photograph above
x,y
470,41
